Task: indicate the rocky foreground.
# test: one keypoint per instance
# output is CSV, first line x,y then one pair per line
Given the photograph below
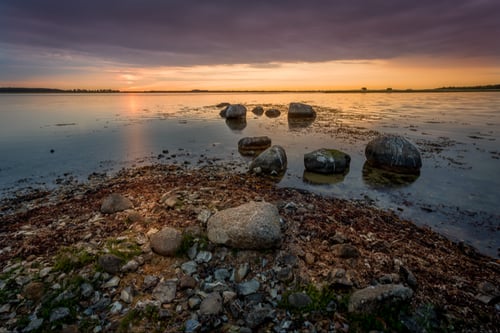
x,y
78,260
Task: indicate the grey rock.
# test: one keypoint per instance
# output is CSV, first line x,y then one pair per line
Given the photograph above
x,y
253,145
214,286
300,110
284,274
166,242
221,274
258,316
258,110
255,225
193,250
150,281
130,266
394,153
115,203
248,287
5,308
165,291
234,111
194,302
241,272
112,283
273,113
34,325
44,272
409,277
211,305
86,290
203,216
59,313
189,267
187,282
371,298
228,296
116,307
299,300
203,257
110,263
327,161
192,326
272,161
126,295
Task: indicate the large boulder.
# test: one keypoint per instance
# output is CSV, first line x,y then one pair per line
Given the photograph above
x,y
254,225
271,161
327,161
394,153
300,110
166,242
115,203
234,111
373,298
254,144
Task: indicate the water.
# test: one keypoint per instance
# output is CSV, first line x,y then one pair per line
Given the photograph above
x,y
49,139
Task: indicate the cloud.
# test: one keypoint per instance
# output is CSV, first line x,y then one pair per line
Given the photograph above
x,y
259,32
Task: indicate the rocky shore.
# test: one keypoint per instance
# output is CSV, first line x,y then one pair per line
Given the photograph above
x,y
73,260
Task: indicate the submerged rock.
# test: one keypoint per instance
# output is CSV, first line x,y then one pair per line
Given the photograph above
x,y
300,110
273,113
255,225
234,111
394,153
272,161
327,161
254,144
115,203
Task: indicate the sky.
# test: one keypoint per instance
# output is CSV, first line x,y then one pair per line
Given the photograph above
x,y
249,45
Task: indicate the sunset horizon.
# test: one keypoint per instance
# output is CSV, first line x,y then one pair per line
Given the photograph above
x,y
174,45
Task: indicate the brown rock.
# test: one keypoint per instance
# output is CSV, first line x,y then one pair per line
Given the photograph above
x,y
34,290
166,241
115,203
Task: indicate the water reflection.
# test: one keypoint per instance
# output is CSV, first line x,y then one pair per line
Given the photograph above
x,y
380,178
295,124
321,179
236,125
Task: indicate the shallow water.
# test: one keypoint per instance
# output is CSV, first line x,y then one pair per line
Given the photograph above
x,y
51,139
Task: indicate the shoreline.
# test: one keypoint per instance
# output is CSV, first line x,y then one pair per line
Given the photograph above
x,y
450,276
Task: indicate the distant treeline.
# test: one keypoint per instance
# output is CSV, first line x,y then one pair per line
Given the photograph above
x,y
487,87
51,90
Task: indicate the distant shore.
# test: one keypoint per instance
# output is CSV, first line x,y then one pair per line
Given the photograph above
x,y
28,90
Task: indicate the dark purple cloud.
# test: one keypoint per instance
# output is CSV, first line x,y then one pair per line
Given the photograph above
x,y
187,32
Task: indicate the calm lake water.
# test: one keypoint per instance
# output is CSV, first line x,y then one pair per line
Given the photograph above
x,y
51,139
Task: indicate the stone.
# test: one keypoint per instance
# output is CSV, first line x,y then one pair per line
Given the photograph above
x,y
393,153
166,242
130,266
258,110
34,325
221,274
299,300
211,305
300,110
171,201
272,161
187,282
254,225
253,145
86,290
234,111
327,161
370,299
116,307
150,281
165,291
241,272
110,263
228,296
192,326
112,283
273,113
258,315
346,251
34,290
126,295
203,257
309,258
115,203
59,313
194,302
189,267
203,216
247,288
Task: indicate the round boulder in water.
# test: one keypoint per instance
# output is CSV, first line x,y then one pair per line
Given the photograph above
x,y
253,145
327,161
272,161
394,153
